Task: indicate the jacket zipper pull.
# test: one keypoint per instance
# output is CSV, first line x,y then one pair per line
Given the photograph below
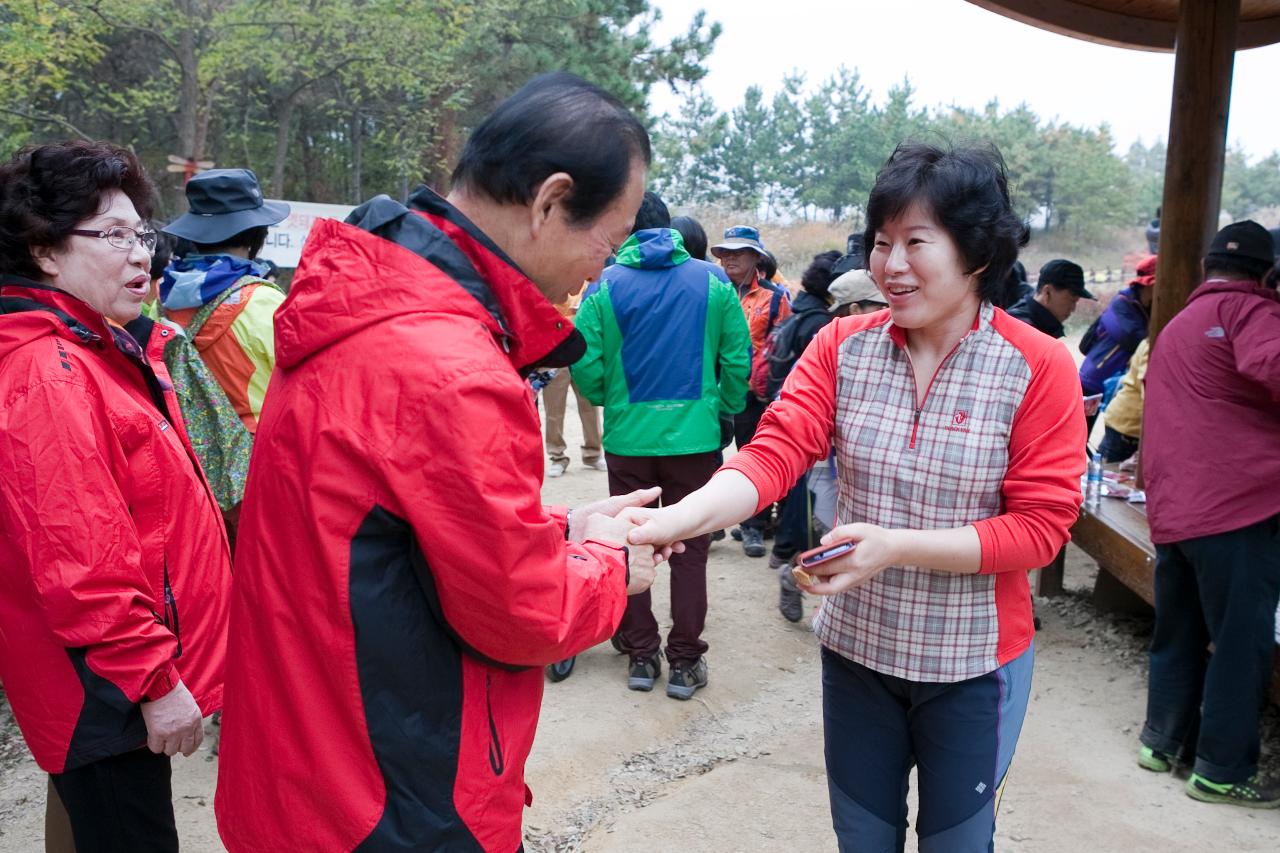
x,y
915,427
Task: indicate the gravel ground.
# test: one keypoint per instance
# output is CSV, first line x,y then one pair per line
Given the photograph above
x,y
740,767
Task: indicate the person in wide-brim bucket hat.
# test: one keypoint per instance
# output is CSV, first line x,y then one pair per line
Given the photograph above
x,y
740,237
223,203
219,286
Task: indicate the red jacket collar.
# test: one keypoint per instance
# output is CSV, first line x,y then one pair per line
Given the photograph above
x,y
533,325
1224,285
93,325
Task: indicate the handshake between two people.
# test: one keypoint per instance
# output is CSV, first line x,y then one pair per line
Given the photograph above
x,y
610,522
652,534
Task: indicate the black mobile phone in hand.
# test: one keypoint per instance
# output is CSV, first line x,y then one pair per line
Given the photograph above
x,y
824,553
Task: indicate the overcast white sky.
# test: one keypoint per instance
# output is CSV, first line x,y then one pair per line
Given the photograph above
x,y
957,53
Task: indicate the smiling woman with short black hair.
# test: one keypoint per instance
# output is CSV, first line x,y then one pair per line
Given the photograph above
x,y
959,435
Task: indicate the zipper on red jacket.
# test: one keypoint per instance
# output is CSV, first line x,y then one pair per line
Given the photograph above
x,y
496,761
920,401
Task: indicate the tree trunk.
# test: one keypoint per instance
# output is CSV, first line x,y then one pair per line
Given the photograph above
x,y
357,157
284,115
189,95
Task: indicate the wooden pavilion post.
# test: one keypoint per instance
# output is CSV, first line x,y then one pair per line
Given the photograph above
x,y
1205,46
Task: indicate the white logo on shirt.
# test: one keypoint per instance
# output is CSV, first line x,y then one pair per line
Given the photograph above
x,y
1215,332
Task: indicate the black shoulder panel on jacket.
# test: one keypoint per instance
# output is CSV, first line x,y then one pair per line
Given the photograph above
x,y
391,220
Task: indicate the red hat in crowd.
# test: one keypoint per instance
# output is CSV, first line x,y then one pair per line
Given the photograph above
x,y
1146,272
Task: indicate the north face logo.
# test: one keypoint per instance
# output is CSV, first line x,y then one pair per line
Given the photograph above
x,y
1215,332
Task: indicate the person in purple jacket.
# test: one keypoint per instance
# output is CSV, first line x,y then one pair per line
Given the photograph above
x,y
1111,340
1211,458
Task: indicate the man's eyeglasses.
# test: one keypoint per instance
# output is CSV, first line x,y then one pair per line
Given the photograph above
x,y
123,237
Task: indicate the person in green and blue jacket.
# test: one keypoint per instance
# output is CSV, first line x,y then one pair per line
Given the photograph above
x,y
668,356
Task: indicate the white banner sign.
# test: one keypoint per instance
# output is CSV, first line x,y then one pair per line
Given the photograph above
x,y
284,241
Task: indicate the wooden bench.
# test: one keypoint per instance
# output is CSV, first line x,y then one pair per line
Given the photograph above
x,y
1116,534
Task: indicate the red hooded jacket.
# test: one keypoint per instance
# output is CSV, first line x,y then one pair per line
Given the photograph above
x,y
1211,414
398,583
114,570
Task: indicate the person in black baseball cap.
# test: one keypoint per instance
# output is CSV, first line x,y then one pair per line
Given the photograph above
x,y
1242,247
1209,434
1058,290
222,285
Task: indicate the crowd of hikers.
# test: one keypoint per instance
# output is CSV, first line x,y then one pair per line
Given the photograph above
x,y
320,513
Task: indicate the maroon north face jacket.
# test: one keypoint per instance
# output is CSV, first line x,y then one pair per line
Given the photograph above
x,y
1211,414
399,584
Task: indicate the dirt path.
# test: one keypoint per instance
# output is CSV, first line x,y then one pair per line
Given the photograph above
x,y
740,767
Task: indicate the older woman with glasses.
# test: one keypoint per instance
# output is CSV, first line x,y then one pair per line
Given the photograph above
x,y
114,568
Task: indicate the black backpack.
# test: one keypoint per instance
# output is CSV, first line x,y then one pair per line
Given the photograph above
x,y
787,344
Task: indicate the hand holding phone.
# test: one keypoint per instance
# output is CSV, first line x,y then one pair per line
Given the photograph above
x,y
818,556
824,553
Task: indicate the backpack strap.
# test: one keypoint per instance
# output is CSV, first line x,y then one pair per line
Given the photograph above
x,y
206,310
775,306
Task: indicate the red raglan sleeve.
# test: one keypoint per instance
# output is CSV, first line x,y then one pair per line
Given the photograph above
x,y
1046,458
796,429
66,513
510,586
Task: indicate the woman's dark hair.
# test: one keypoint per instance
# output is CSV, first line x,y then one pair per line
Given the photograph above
x,y
767,265
653,213
967,192
694,236
47,190
250,240
820,273
163,252
555,123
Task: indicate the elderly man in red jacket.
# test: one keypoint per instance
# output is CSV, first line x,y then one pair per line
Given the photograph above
x,y
1211,454
399,584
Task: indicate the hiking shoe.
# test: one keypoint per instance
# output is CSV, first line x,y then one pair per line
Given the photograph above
x,y
596,464
736,533
1251,794
687,678
752,542
717,535
789,595
556,469
643,673
776,562
1156,762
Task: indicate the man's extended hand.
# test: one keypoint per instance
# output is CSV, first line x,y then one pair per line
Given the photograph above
x,y
610,508
173,722
641,560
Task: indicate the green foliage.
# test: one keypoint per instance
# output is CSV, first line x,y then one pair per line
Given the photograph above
x,y
820,151
328,100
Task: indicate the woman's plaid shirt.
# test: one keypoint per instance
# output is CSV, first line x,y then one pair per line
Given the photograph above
x,y
997,442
